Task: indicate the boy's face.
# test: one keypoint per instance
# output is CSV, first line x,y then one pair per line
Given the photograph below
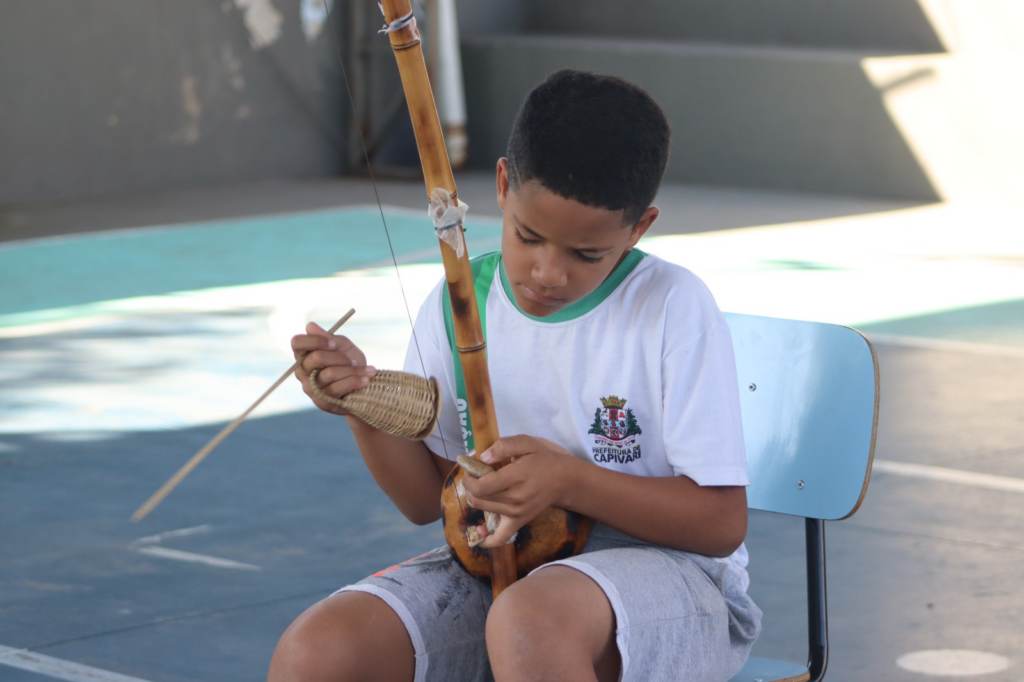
x,y
557,250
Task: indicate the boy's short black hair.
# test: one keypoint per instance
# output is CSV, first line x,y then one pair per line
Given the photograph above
x,y
599,140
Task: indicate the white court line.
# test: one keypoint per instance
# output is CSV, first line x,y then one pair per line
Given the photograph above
x,y
58,668
149,546
934,473
181,532
191,557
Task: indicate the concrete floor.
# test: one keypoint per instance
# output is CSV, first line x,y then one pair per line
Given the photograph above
x,y
113,372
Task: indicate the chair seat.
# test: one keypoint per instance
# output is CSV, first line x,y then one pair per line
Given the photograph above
x,y
767,670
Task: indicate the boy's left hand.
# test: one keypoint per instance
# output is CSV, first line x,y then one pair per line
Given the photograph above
x,y
535,476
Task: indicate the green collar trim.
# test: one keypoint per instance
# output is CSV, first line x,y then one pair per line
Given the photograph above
x,y
588,302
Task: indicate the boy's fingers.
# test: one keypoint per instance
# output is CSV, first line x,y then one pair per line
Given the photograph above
x,y
336,380
499,508
509,447
486,486
341,387
315,351
506,530
306,343
344,345
321,359
316,337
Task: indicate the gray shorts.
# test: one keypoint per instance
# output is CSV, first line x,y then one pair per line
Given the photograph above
x,y
677,615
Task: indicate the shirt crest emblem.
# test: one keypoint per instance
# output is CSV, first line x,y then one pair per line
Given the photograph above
x,y
616,432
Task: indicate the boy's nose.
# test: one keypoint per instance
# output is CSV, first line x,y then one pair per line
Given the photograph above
x,y
549,274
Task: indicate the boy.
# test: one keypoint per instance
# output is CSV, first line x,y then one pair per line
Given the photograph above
x,y
617,371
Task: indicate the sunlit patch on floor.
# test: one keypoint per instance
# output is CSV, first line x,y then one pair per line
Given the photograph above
x,y
173,354
952,662
868,269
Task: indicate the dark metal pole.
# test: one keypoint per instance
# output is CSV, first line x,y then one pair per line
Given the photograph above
x,y
817,607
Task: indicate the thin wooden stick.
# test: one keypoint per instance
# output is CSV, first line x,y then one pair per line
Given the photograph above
x,y
184,471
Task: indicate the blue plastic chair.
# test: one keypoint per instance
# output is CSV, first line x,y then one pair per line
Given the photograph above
x,y
809,397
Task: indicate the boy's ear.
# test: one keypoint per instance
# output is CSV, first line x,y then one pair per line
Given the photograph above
x,y
644,224
501,181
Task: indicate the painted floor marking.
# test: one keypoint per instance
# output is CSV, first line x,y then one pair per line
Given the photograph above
x,y
958,476
191,557
949,662
150,546
181,532
59,668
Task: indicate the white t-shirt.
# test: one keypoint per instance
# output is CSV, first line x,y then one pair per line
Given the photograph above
x,y
639,376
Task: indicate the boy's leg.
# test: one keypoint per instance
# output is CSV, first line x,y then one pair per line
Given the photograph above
x,y
347,637
675,615
555,624
422,620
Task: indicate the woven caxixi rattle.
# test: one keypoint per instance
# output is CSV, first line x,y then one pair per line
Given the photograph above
x,y
398,403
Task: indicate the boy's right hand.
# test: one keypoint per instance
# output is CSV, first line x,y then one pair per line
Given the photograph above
x,y
342,365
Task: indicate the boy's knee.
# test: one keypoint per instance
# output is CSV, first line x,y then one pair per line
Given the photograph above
x,y
555,624
517,626
312,649
525,614
330,642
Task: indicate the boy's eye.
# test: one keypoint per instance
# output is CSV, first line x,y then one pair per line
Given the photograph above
x,y
522,238
579,254
588,259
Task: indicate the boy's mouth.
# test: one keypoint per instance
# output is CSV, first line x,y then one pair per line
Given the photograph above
x,y
541,298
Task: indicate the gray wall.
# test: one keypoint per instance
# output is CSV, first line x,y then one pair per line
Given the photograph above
x,y
882,25
914,99
102,97
116,96
491,17
747,117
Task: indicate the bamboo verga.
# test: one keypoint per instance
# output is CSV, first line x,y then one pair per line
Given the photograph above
x,y
437,173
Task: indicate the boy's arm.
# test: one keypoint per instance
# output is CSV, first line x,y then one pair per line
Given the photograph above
x,y
406,470
672,511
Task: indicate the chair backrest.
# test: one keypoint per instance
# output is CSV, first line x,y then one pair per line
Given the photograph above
x,y
809,398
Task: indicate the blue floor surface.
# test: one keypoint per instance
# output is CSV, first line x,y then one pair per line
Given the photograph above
x,y
122,353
